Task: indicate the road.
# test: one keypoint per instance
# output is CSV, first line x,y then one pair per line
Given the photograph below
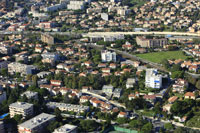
x,y
90,34
133,57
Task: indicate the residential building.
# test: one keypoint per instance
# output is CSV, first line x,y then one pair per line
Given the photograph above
x,y
36,124
67,107
153,79
149,43
130,82
189,95
76,5
23,69
107,56
50,58
111,38
179,85
6,49
117,92
108,89
67,128
30,95
122,115
105,16
21,108
46,38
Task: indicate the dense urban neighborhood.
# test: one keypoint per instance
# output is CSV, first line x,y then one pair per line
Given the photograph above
x,y
78,66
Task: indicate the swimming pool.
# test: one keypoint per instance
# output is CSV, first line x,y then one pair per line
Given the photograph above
x,y
4,115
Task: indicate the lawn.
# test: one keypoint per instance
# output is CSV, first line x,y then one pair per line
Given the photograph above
x,y
158,57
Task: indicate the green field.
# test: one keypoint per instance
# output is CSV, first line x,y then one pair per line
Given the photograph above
x,y
158,57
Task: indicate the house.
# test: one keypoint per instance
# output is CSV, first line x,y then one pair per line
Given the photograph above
x,y
179,85
122,115
108,89
56,82
105,70
133,96
189,95
167,107
130,82
84,99
150,98
117,92
172,99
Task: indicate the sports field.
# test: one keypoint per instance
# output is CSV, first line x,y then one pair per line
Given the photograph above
x,y
158,57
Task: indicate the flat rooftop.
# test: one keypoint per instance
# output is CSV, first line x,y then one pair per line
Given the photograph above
x,y
36,121
21,105
67,128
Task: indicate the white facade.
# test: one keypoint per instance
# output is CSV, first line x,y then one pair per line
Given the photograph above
x,y
153,79
21,108
76,5
30,95
23,69
67,107
104,16
107,56
36,124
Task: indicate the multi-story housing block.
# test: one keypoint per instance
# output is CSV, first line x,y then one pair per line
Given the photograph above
x,y
21,108
36,124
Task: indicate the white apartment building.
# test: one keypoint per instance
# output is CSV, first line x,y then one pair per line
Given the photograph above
x,y
76,5
107,56
30,95
2,96
24,69
67,107
36,124
67,128
153,79
104,16
21,108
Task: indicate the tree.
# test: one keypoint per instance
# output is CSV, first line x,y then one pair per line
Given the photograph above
x,y
57,112
18,118
122,120
147,128
134,124
179,130
198,84
168,126
53,125
177,74
88,125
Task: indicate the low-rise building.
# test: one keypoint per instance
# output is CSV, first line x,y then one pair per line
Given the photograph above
x,y
108,89
67,128
36,124
23,69
67,107
130,82
30,95
46,38
21,108
149,43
